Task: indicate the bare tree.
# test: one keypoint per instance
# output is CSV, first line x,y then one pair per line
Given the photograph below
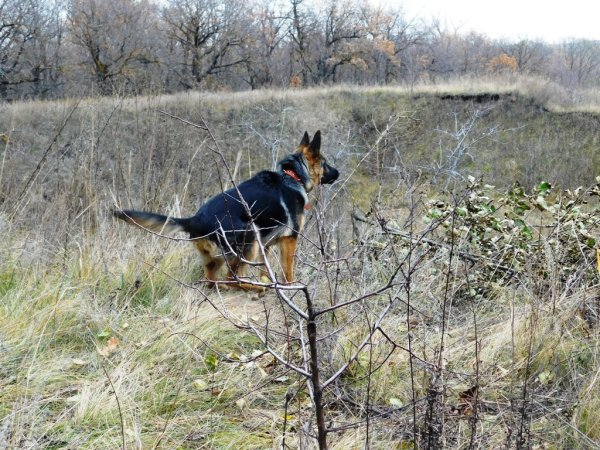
x,y
265,32
450,52
578,62
114,38
30,38
341,37
302,27
49,47
204,35
531,56
396,40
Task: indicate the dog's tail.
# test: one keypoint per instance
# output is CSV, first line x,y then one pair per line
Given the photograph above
x,y
153,222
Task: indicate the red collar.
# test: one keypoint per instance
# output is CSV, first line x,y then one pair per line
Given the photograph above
x,y
292,174
295,176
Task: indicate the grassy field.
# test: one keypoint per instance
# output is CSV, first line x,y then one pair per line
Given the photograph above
x,y
473,311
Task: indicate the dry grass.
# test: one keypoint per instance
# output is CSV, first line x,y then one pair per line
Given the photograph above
x,y
105,338
546,93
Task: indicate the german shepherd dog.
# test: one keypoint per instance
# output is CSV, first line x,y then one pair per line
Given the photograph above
x,y
222,230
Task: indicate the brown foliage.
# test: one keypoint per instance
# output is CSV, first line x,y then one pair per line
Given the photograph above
x,y
503,62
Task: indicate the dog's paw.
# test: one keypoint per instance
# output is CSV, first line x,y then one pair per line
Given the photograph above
x,y
257,295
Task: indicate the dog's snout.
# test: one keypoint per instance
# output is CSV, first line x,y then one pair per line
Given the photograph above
x,y
330,174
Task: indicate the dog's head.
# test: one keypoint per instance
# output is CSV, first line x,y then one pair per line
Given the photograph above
x,y
309,164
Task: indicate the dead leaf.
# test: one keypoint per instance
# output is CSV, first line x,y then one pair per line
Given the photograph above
x,y
413,321
110,348
466,400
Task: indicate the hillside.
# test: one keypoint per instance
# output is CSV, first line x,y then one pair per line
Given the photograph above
x,y
505,137
453,312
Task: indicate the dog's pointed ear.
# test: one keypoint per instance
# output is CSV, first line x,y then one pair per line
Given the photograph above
x,y
305,140
315,145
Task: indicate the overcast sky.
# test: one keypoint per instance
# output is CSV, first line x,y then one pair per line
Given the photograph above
x,y
550,20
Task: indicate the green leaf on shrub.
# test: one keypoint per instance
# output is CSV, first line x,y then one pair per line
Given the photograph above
x,y
516,192
211,361
104,334
435,213
521,208
544,187
546,377
527,231
489,209
590,242
520,223
462,212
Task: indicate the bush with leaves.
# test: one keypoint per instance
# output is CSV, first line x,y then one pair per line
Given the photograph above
x,y
550,234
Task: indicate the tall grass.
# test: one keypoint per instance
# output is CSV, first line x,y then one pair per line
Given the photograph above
x,y
106,341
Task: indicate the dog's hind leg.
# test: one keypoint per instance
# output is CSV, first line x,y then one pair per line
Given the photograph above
x,y
287,253
237,267
211,260
211,269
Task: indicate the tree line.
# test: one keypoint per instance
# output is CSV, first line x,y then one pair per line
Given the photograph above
x,y
58,48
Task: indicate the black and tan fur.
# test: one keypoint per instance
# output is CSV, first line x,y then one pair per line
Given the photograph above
x,y
274,201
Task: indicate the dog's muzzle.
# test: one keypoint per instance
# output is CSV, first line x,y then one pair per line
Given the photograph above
x,y
330,174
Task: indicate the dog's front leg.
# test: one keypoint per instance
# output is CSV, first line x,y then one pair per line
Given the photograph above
x,y
287,250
